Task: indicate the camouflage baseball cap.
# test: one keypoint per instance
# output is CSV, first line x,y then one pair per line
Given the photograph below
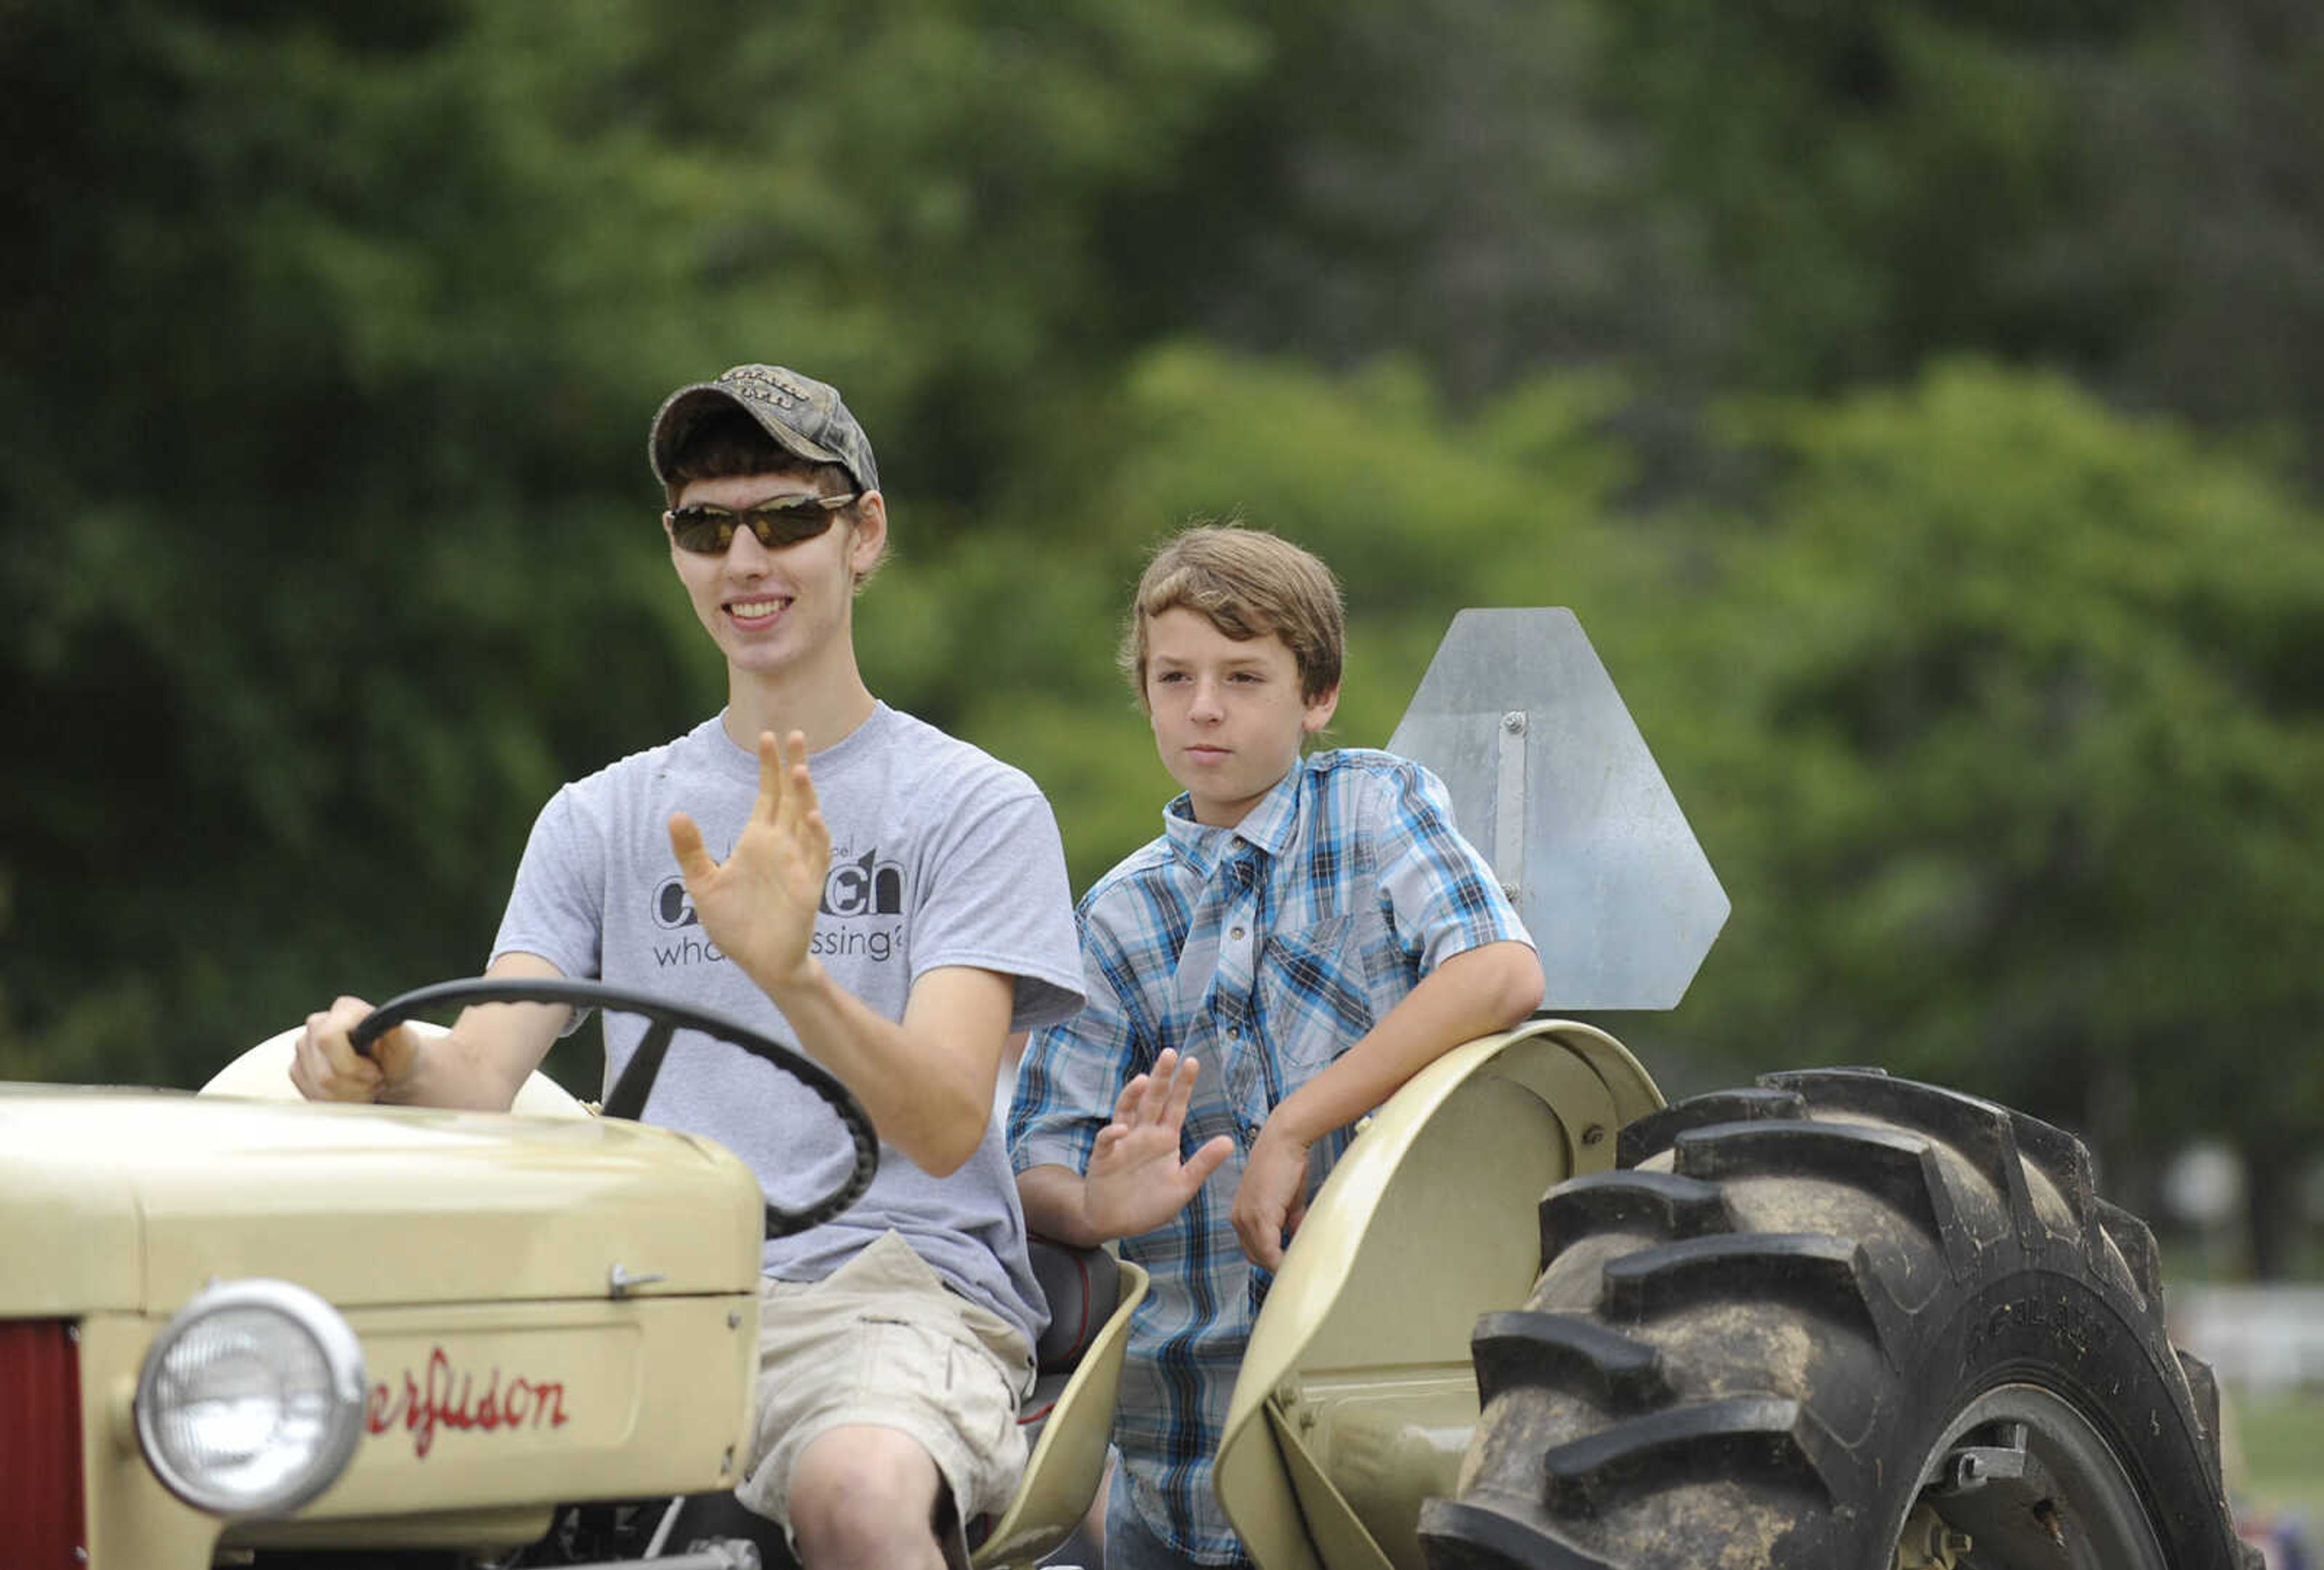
x,y
804,417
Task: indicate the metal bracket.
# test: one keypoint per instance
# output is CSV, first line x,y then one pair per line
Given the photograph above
x,y
618,1282
1509,804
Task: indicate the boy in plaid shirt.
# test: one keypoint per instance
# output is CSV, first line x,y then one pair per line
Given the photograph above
x,y
1314,929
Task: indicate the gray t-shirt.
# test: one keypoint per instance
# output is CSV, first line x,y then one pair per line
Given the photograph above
x,y
941,855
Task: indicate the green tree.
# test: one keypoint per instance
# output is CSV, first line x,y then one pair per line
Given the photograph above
x,y
1451,182
328,548
2126,190
2012,712
1786,198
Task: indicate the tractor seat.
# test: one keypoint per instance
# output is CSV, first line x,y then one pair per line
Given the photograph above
x,y
1083,1289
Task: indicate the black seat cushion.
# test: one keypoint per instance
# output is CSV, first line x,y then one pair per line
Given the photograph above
x,y
1084,1287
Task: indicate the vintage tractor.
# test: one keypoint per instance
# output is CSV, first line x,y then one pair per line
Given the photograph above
x,y
1534,1317
1835,1321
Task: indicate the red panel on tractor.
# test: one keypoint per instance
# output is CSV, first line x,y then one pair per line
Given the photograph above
x,y
40,1444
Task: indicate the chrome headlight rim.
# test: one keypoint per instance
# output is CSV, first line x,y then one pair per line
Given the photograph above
x,y
342,1356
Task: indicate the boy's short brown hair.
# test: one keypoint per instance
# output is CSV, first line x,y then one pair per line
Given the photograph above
x,y
726,444
1247,583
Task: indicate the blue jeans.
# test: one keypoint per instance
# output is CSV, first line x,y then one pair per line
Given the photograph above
x,y
1131,1544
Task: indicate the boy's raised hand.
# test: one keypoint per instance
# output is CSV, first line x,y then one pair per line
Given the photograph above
x,y
759,904
1136,1181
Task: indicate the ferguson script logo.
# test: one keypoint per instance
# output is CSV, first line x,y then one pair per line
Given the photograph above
x,y
441,1396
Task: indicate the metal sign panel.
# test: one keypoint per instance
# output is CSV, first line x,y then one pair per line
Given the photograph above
x,y
1551,780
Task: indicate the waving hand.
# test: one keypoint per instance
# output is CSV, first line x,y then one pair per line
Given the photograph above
x,y
1136,1180
759,904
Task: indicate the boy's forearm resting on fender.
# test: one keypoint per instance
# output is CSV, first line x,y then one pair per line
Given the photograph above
x,y
1476,993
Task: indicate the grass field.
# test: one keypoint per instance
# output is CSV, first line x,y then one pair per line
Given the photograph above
x,y
2284,1452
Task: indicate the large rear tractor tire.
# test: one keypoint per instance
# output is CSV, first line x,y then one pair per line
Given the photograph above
x,y
1838,1322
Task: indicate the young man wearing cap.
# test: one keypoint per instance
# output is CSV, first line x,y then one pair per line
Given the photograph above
x,y
891,899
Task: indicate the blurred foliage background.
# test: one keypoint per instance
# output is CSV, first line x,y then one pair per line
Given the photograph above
x,y
1920,405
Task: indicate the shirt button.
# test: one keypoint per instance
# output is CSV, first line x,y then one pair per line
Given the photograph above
x,y
1236,933
1250,1133
1234,1032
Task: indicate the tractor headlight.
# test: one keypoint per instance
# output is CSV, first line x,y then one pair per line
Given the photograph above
x,y
252,1399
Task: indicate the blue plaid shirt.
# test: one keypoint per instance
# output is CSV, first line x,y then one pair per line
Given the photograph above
x,y
1265,950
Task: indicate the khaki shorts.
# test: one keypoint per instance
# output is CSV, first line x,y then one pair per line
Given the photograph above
x,y
883,1342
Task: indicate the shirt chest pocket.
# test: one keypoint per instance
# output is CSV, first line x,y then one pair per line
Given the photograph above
x,y
1313,992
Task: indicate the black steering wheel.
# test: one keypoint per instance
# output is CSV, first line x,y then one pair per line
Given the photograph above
x,y
628,1098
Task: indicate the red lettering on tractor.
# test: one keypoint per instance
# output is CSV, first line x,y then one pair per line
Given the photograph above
x,y
443,1396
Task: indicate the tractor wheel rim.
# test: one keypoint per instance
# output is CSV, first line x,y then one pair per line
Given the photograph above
x,y
2099,1512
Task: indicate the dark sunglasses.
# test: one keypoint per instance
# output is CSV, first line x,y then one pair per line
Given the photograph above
x,y
784,521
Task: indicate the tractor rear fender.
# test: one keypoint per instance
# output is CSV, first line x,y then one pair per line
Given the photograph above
x,y
1357,1396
